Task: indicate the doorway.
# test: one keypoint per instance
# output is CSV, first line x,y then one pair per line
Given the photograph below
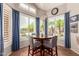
x,y
56,27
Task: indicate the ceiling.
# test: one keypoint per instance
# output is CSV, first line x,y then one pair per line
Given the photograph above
x,y
47,6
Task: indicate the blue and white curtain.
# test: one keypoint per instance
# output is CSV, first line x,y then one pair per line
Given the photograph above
x,y
15,30
37,26
67,30
1,30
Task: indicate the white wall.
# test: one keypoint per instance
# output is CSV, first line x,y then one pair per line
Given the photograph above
x,y
74,10
61,10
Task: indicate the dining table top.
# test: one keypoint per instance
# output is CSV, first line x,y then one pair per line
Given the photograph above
x,y
42,37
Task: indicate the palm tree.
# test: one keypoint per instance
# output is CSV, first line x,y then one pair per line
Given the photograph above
x,y
59,24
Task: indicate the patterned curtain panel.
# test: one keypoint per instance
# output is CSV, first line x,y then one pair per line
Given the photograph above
x,y
1,37
46,27
67,30
37,26
15,30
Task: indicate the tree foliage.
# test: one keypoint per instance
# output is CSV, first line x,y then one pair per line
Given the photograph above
x,y
59,23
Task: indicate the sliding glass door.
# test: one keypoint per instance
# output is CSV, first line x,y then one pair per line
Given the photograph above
x,y
27,27
32,25
24,21
56,27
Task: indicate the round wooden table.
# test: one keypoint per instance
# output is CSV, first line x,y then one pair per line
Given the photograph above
x,y
41,39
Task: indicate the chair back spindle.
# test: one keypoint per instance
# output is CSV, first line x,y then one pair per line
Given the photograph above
x,y
54,41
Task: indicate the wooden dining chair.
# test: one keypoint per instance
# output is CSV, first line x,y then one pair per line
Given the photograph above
x,y
51,46
34,46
